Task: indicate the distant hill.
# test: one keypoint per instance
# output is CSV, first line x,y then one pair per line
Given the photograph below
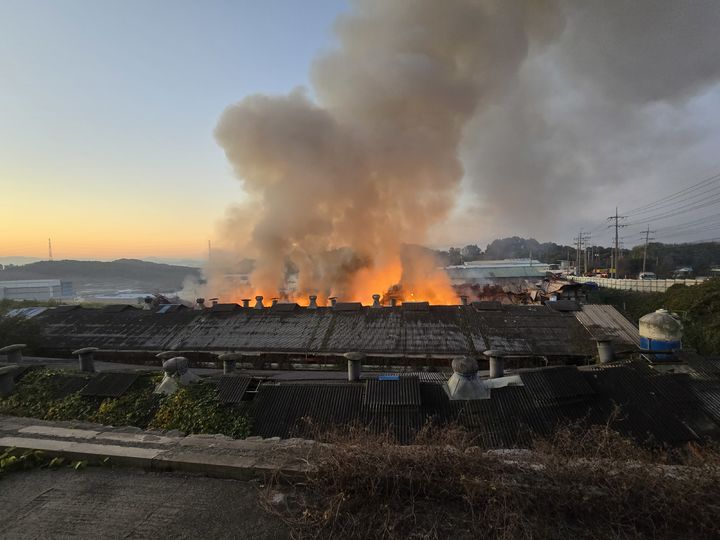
x,y
122,273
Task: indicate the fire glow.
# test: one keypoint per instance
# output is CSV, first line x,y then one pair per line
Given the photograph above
x,y
391,282
339,184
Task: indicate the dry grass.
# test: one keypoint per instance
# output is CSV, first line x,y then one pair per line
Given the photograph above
x,y
580,484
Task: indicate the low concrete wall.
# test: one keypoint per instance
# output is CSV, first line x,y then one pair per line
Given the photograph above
x,y
639,285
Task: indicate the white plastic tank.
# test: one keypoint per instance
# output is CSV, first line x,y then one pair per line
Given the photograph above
x,y
660,331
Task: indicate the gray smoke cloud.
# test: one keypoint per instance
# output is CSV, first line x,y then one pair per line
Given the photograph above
x,y
372,162
549,103
610,114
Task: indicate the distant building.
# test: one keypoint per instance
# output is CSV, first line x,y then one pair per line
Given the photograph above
x,y
37,289
497,271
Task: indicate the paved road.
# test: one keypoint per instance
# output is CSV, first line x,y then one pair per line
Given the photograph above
x,y
126,503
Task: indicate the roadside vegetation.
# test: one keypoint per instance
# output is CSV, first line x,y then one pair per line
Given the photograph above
x,y
39,394
579,484
698,307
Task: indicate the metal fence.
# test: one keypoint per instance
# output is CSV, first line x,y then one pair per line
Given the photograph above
x,y
639,285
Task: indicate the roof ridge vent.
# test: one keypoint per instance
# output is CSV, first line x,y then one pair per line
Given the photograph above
x,y
464,383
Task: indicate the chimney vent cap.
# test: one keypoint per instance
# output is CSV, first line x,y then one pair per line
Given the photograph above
x,y
464,365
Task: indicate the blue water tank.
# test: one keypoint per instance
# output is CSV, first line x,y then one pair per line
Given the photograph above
x,y
660,331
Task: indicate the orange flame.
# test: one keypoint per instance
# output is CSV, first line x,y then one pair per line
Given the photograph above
x,y
423,281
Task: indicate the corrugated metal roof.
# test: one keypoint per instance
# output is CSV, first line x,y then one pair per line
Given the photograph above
x,y
63,385
224,308
402,391
564,305
117,308
170,308
666,408
705,367
441,330
282,410
644,413
559,383
606,322
109,384
498,272
231,389
26,312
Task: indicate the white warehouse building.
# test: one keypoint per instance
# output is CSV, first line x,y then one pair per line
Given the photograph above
x,y
37,289
497,271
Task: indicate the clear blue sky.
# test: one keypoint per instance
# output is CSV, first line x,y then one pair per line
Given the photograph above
x,y
110,105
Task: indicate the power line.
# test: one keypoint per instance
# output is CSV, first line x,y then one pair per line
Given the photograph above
x,y
699,205
673,196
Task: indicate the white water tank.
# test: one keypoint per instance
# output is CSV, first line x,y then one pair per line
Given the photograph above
x,y
660,331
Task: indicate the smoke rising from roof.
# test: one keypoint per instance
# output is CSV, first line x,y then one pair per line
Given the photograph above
x,y
373,162
547,101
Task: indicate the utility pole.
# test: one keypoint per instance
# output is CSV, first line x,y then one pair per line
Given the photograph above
x,y
577,241
50,250
581,248
585,239
617,226
647,241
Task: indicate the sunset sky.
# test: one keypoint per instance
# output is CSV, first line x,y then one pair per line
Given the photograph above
x,y
107,111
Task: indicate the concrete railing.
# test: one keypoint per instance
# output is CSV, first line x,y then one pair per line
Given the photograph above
x,y
639,285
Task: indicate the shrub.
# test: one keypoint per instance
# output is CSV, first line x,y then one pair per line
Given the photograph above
x,y
195,409
365,487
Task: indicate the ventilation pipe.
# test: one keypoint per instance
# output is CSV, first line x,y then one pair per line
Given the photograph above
x,y
275,301
258,302
177,373
199,303
246,302
229,361
333,300
497,363
13,352
606,352
464,300
313,302
376,301
214,301
86,359
354,365
464,382
393,302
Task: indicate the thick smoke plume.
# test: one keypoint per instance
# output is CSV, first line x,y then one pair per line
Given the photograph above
x,y
549,103
372,162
